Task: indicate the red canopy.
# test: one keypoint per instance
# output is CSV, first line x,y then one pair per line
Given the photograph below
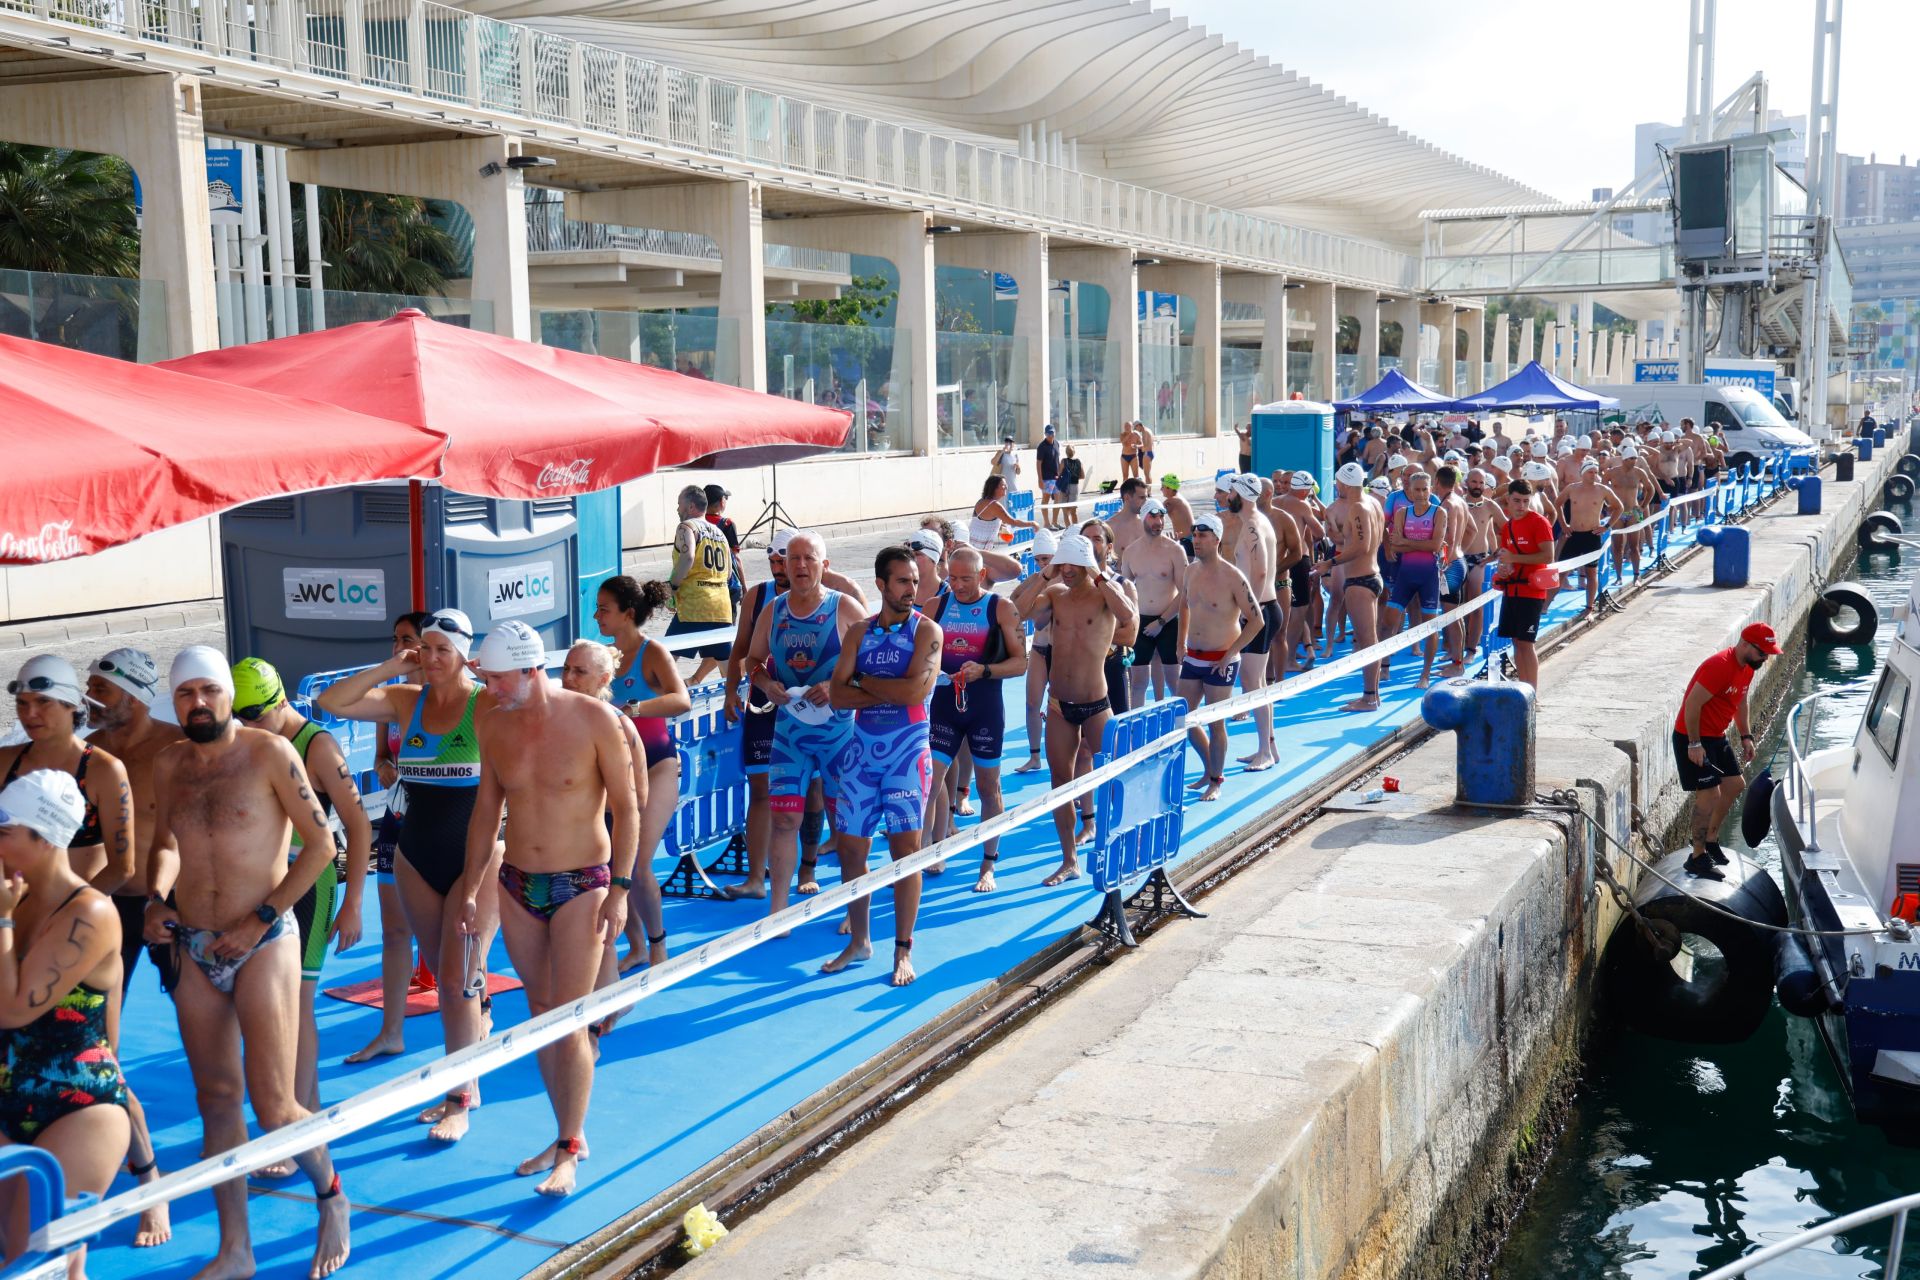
x,y
100,451
527,421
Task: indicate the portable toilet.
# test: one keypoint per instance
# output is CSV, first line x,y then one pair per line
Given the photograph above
x,y
314,581
1295,435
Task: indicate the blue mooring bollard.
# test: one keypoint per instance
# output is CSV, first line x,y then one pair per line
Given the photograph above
x,y
1809,489
1865,444
1493,738
1732,552
1879,436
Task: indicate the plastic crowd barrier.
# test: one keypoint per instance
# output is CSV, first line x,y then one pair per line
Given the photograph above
x,y
423,1085
1139,816
713,794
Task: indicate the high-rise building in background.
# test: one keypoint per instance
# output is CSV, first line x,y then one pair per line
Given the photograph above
x,y
1868,189
1880,234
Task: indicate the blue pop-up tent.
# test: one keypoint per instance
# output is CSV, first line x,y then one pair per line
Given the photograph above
x,y
1536,389
1396,393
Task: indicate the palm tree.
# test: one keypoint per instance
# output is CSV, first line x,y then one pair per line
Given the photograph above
x,y
66,212
380,243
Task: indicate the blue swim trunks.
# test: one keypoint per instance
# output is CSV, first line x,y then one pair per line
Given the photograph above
x,y
884,781
802,752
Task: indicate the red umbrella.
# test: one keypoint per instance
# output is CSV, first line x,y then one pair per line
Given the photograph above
x,y
528,421
100,451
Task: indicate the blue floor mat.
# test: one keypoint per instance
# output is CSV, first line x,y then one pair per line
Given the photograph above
x,y
692,1070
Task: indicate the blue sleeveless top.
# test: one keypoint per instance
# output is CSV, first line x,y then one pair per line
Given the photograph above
x,y
888,652
633,686
968,632
804,650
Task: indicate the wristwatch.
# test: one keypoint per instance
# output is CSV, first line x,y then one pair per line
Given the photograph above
x,y
620,882
853,681
266,913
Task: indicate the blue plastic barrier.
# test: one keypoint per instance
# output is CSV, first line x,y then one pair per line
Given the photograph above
x,y
1106,508
713,794
357,738
1020,504
1138,818
1493,738
45,1186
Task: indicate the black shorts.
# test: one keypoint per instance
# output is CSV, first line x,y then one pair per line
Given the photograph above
x,y
1117,686
1299,583
982,726
1269,628
1579,543
1721,763
1165,646
1520,618
756,740
718,652
1246,463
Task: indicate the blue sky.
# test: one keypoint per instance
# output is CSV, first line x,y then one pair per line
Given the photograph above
x,y
1549,91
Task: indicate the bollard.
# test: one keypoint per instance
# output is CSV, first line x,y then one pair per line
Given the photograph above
x,y
1879,436
1493,738
1731,552
1843,468
1809,487
1865,445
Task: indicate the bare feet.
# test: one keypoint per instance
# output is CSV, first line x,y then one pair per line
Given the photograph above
x,y
1213,789
1259,762
1069,870
330,1250
985,883
634,959
938,868
846,927
963,806
453,1122
809,878
155,1226
903,973
237,1265
279,1169
432,1114
854,954
1031,766
381,1046
1199,782
657,951
1366,702
562,1162
1425,681
749,889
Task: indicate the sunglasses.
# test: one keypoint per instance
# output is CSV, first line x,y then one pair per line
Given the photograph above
x,y
106,667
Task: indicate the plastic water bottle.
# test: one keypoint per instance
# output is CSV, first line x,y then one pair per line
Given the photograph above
x,y
1374,796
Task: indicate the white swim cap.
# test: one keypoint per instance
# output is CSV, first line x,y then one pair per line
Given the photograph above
x,y
1536,471
1210,523
456,626
1075,549
1352,473
1223,482
1502,464
928,541
46,802
1539,448
1381,484
1629,450
777,544
512,646
1589,465
1153,507
50,676
1244,484
1045,542
1301,480
1586,442
200,662
1396,462
132,670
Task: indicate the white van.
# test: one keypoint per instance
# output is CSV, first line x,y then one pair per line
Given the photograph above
x,y
1752,428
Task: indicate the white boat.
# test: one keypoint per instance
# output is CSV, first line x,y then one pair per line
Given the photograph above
x,y
1848,820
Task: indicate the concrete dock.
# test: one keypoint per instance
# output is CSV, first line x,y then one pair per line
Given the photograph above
x,y
1345,1070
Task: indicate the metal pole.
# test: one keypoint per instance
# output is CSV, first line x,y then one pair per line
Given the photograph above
x,y
253,284
316,269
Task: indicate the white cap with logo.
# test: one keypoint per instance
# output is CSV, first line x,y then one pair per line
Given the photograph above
x,y
50,676
512,646
46,802
1074,549
928,542
131,670
200,662
1351,473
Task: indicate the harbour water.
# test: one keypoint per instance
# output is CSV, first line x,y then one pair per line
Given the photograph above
x,y
1677,1158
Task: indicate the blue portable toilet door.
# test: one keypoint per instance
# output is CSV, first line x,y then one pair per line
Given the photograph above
x,y
497,559
600,530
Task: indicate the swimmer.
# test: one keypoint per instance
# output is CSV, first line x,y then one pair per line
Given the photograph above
x,y
1254,552
1156,566
1219,619
552,763
228,798
1039,650
1589,505
885,677
1357,526
1125,523
1417,534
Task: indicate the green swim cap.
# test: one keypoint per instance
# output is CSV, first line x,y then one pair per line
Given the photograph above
x,y
256,685
1170,480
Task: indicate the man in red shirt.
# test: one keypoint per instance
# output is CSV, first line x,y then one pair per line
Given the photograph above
x,y
1716,698
1526,541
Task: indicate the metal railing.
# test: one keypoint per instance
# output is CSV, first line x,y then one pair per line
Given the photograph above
x,y
441,55
1805,800
1896,1246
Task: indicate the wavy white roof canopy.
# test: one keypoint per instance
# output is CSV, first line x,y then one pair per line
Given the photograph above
x,y
1150,98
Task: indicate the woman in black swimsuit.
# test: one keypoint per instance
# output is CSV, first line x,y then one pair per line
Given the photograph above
x,y
48,702
60,1083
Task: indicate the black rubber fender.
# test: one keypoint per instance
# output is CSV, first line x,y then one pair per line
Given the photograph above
x,y
1909,466
1756,809
1899,488
1824,621
1796,980
1877,530
1727,999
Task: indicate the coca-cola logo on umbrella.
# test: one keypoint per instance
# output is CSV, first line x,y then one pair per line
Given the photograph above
x,y
565,475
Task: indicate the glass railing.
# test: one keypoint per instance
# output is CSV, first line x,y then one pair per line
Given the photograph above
x,y
1303,376
1346,376
1613,268
1082,400
862,369
981,394
1239,385
254,313
106,315
700,346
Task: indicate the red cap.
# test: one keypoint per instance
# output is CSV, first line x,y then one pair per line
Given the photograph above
x,y
1761,637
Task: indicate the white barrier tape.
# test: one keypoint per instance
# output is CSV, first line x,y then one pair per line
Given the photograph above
x,y
694,639
430,1082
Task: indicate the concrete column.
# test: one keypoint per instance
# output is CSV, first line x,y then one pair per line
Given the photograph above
x,y
1325,315
1022,255
1502,344
1550,346
902,239
1562,363
1364,306
1406,313
730,213
1270,294
449,171
152,122
1199,283
1583,325
1642,341
1112,270
1529,348
1476,322
1440,316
